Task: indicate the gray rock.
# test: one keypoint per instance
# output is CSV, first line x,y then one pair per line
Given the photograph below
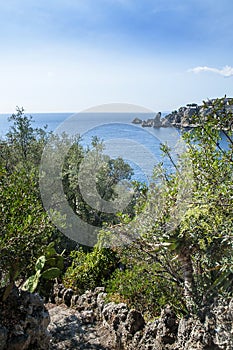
x,y
148,123
147,341
157,121
30,321
101,301
71,329
74,300
165,123
97,325
137,121
65,328
114,311
3,337
88,316
87,301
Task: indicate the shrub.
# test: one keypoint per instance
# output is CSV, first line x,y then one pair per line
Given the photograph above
x,y
145,288
24,226
90,270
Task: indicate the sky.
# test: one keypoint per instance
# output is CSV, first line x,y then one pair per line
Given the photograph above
x,y
69,55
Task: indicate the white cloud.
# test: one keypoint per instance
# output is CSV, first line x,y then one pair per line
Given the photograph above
x,y
226,71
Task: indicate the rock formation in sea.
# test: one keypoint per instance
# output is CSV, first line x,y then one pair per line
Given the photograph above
x,y
137,121
183,117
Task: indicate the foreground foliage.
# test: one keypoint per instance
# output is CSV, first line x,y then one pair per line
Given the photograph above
x,y
26,229
176,237
25,226
90,270
186,228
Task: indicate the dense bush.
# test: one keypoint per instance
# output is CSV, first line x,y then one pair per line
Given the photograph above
x,y
24,226
186,226
90,270
145,288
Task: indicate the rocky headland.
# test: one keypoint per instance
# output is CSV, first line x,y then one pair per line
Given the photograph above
x,y
181,118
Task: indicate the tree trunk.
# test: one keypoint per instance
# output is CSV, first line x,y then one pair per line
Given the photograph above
x,y
187,269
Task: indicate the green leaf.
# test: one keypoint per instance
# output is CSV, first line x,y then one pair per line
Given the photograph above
x,y
31,283
50,250
51,262
60,262
40,263
51,273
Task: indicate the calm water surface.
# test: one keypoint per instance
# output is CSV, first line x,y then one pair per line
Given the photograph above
x,y
139,146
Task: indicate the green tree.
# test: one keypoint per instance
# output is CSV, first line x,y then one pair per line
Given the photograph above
x,y
108,173
24,144
186,224
91,269
25,227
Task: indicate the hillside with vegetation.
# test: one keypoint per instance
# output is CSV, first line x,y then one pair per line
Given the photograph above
x,y
176,235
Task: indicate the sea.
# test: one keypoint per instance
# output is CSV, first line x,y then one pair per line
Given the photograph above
x,y
138,146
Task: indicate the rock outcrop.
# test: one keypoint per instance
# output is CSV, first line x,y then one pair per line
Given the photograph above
x,y
71,329
23,322
137,121
154,122
183,117
93,324
87,322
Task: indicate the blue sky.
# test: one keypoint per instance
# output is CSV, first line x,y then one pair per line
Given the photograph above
x,y
68,55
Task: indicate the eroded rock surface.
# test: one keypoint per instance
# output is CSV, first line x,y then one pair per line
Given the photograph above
x,y
94,324
23,322
87,322
71,329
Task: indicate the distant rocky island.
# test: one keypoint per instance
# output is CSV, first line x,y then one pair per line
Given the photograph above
x,y
181,118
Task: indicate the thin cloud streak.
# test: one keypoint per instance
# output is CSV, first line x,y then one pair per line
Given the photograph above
x,y
226,71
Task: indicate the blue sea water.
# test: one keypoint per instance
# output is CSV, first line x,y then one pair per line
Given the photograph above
x,y
139,146
52,120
